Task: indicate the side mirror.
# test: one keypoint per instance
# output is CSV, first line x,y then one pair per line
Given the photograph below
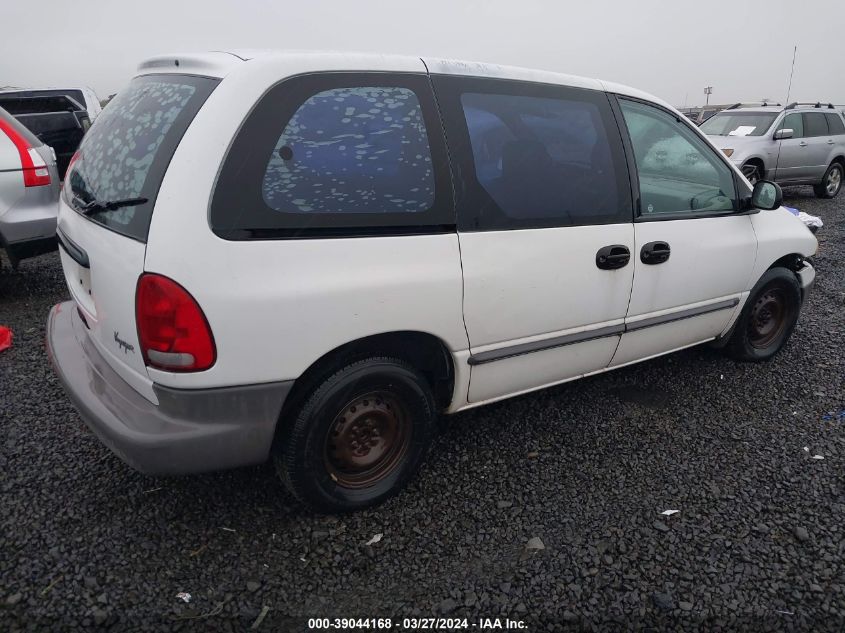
x,y
766,195
784,134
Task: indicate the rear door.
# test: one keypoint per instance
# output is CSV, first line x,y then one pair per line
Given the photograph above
x,y
544,218
817,135
107,204
694,255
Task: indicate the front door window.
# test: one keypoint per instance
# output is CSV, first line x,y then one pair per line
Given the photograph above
x,y
678,171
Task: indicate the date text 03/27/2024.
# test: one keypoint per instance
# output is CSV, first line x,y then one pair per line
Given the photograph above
x,y
416,624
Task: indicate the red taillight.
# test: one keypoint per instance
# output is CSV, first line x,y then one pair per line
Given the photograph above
x,y
172,329
35,170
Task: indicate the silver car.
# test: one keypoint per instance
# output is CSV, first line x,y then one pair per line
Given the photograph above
x,y
800,144
29,192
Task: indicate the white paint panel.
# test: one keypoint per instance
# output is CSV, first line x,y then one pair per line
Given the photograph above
x,y
654,341
710,258
779,233
521,373
498,71
520,284
116,263
276,306
527,285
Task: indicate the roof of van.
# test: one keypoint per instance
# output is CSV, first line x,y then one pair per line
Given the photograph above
x,y
221,63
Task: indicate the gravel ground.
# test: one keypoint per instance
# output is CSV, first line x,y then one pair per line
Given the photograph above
x,y
587,468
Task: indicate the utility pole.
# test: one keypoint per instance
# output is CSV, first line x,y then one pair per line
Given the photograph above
x,y
708,91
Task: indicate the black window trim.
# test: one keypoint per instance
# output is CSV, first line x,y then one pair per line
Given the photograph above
x,y
442,172
460,163
741,203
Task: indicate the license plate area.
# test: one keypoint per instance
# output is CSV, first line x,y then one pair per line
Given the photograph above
x,y
78,281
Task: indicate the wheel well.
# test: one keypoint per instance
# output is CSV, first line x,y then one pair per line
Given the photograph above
x,y
425,352
758,162
840,160
793,262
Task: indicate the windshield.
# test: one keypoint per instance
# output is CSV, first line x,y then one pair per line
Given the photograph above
x,y
739,124
127,150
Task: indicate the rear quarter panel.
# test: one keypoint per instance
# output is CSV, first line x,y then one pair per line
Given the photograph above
x,y
277,306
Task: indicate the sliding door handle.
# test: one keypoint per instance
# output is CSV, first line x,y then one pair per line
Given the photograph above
x,y
613,257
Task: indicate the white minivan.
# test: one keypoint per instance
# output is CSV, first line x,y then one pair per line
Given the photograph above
x,y
308,257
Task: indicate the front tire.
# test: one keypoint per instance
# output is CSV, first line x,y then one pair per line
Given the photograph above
x,y
752,172
359,437
831,184
768,317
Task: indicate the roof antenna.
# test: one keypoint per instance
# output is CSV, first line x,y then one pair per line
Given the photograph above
x,y
791,72
788,90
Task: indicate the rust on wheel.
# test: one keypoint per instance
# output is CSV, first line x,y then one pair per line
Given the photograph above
x,y
768,318
367,440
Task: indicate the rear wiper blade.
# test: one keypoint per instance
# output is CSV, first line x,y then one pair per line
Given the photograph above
x,y
94,206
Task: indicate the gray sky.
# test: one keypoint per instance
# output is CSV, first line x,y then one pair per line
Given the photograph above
x,y
743,48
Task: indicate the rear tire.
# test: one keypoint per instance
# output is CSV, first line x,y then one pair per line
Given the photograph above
x,y
831,183
768,317
359,437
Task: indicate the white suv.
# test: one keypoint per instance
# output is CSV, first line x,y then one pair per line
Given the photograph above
x,y
309,256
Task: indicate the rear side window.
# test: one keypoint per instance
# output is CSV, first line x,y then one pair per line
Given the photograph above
x,y
815,124
834,123
127,150
536,155
337,154
352,150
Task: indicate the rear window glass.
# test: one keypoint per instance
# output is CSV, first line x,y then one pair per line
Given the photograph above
x,y
815,124
834,122
352,150
38,104
126,152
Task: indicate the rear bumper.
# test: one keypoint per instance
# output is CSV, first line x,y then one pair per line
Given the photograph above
x,y
29,225
30,248
189,431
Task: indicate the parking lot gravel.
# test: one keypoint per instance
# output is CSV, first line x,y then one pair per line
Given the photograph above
x,y
545,509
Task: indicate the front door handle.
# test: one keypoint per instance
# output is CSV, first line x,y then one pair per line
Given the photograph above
x,y
655,253
803,144
830,141
613,257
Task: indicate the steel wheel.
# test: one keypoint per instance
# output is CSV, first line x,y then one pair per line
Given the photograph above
x,y
768,318
367,440
833,181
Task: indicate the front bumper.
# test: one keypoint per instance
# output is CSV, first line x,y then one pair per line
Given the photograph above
x,y
806,278
189,431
